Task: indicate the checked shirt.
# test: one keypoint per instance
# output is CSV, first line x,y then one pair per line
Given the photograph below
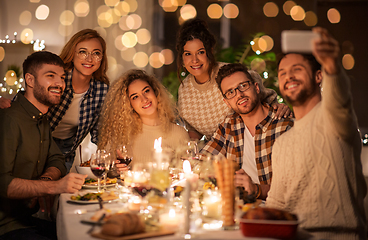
x,y
90,109
228,141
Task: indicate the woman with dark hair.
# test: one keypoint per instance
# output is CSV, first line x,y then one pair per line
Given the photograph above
x,y
142,103
200,101
86,85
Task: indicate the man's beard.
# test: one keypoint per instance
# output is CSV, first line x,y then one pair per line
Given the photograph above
x,y
303,95
252,103
41,95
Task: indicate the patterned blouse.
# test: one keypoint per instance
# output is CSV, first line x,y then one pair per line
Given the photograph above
x,y
90,109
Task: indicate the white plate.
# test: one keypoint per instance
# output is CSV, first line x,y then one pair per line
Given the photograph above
x,y
95,186
90,202
84,192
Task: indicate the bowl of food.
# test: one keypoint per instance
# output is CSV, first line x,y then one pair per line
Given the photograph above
x,y
265,222
85,169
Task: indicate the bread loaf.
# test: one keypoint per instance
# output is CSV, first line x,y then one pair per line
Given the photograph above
x,y
123,224
263,213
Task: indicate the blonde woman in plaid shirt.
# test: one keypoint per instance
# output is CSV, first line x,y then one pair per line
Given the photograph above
x,y
249,134
86,85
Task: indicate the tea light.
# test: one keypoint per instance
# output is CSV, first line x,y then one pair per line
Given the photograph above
x,y
170,220
139,177
134,204
212,204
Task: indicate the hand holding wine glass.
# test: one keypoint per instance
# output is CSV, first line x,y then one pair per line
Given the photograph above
x,y
98,168
123,159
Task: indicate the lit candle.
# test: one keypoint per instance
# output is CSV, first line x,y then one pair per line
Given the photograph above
x,y
139,177
170,220
158,149
189,175
134,203
212,204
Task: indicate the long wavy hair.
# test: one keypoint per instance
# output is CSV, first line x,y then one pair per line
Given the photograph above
x,y
68,52
195,29
119,123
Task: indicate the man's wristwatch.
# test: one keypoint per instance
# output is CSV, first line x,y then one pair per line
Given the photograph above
x,y
45,178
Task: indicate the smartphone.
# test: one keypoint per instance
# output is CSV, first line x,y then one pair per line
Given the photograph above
x,y
297,41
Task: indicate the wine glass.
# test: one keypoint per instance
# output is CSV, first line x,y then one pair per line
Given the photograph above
x,y
160,175
124,158
109,164
98,168
140,179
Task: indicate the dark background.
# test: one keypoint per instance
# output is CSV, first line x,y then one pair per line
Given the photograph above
x,y
353,27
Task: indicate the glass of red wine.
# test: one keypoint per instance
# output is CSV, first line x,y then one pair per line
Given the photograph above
x,y
124,158
98,168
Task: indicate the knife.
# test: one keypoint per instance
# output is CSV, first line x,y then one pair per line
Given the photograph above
x,y
100,202
99,222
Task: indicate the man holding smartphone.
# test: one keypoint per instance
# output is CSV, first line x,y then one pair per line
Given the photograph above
x,y
317,172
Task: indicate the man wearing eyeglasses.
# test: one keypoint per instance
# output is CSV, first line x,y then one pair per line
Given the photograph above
x,y
247,135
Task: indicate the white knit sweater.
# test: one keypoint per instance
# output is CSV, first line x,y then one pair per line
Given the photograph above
x,y
317,173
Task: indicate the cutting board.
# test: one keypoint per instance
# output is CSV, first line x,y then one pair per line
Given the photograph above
x,y
133,236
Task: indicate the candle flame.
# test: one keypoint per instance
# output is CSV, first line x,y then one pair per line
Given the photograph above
x,y
186,167
172,213
157,144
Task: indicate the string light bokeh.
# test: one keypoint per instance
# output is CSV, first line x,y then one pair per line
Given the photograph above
x,y
133,40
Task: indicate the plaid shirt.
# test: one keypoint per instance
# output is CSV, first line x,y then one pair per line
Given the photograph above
x,y
89,111
228,141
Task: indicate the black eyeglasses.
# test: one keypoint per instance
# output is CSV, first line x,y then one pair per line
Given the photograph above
x,y
242,87
83,54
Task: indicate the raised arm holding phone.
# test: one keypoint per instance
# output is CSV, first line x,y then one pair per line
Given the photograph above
x,y
317,171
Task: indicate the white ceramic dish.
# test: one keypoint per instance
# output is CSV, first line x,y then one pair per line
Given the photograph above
x,y
94,186
91,201
85,171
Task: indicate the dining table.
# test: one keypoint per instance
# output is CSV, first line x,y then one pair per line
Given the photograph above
x,y
73,223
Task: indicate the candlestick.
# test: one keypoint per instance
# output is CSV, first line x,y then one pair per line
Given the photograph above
x,y
189,175
157,155
186,202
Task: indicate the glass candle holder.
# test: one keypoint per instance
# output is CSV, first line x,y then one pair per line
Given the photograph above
x,y
212,207
171,218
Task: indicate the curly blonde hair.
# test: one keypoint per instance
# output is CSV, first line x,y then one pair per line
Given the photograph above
x,y
119,123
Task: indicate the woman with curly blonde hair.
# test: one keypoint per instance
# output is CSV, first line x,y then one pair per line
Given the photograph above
x,y
137,110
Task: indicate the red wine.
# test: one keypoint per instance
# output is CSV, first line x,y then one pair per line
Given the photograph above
x,y
125,160
98,171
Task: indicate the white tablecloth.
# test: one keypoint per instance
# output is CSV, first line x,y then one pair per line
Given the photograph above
x,y
69,226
